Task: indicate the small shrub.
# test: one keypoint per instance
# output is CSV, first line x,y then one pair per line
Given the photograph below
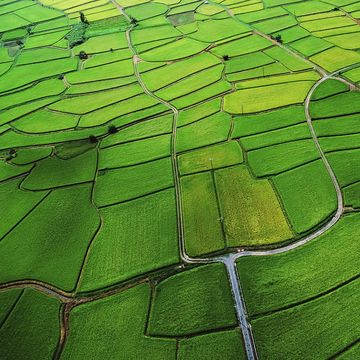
x,y
225,57
93,139
83,55
112,129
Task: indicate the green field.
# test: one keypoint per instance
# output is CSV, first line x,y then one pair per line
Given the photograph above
x,y
179,179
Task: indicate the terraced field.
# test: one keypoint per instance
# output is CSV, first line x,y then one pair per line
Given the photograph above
x,y
179,179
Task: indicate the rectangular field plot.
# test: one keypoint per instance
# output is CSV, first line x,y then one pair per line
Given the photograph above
x,y
267,121
203,230
40,326
212,157
275,159
210,130
321,327
278,95
192,302
276,281
123,315
308,195
135,152
251,213
218,345
132,182
144,229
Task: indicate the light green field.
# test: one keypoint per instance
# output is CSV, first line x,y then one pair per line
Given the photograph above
x,y
308,195
278,95
249,209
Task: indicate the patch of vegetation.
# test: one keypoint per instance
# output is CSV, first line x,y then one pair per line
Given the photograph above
x,y
77,34
106,26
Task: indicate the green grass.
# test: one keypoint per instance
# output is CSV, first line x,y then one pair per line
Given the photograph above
x,y
248,61
64,233
278,79
274,281
250,209
337,143
91,102
54,172
18,203
193,301
198,112
135,152
7,300
267,121
275,159
310,45
42,89
152,127
270,97
102,43
178,49
215,30
256,73
165,75
212,157
11,22
40,55
38,334
123,315
210,130
274,25
139,36
341,104
215,346
107,58
119,110
336,58
201,95
345,41
145,11
352,195
291,62
246,45
346,165
8,171
100,85
329,88
103,72
144,230
191,83
30,155
308,195
45,39
23,75
317,329
21,110
38,121
202,226
132,182
292,133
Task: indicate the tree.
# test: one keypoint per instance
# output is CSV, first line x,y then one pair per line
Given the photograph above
x,y
226,57
93,139
83,55
83,18
112,129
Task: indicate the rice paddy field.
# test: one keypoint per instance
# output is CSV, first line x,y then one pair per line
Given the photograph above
x,y
179,179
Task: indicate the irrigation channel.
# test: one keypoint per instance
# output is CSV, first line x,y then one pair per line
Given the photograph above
x,y
229,260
